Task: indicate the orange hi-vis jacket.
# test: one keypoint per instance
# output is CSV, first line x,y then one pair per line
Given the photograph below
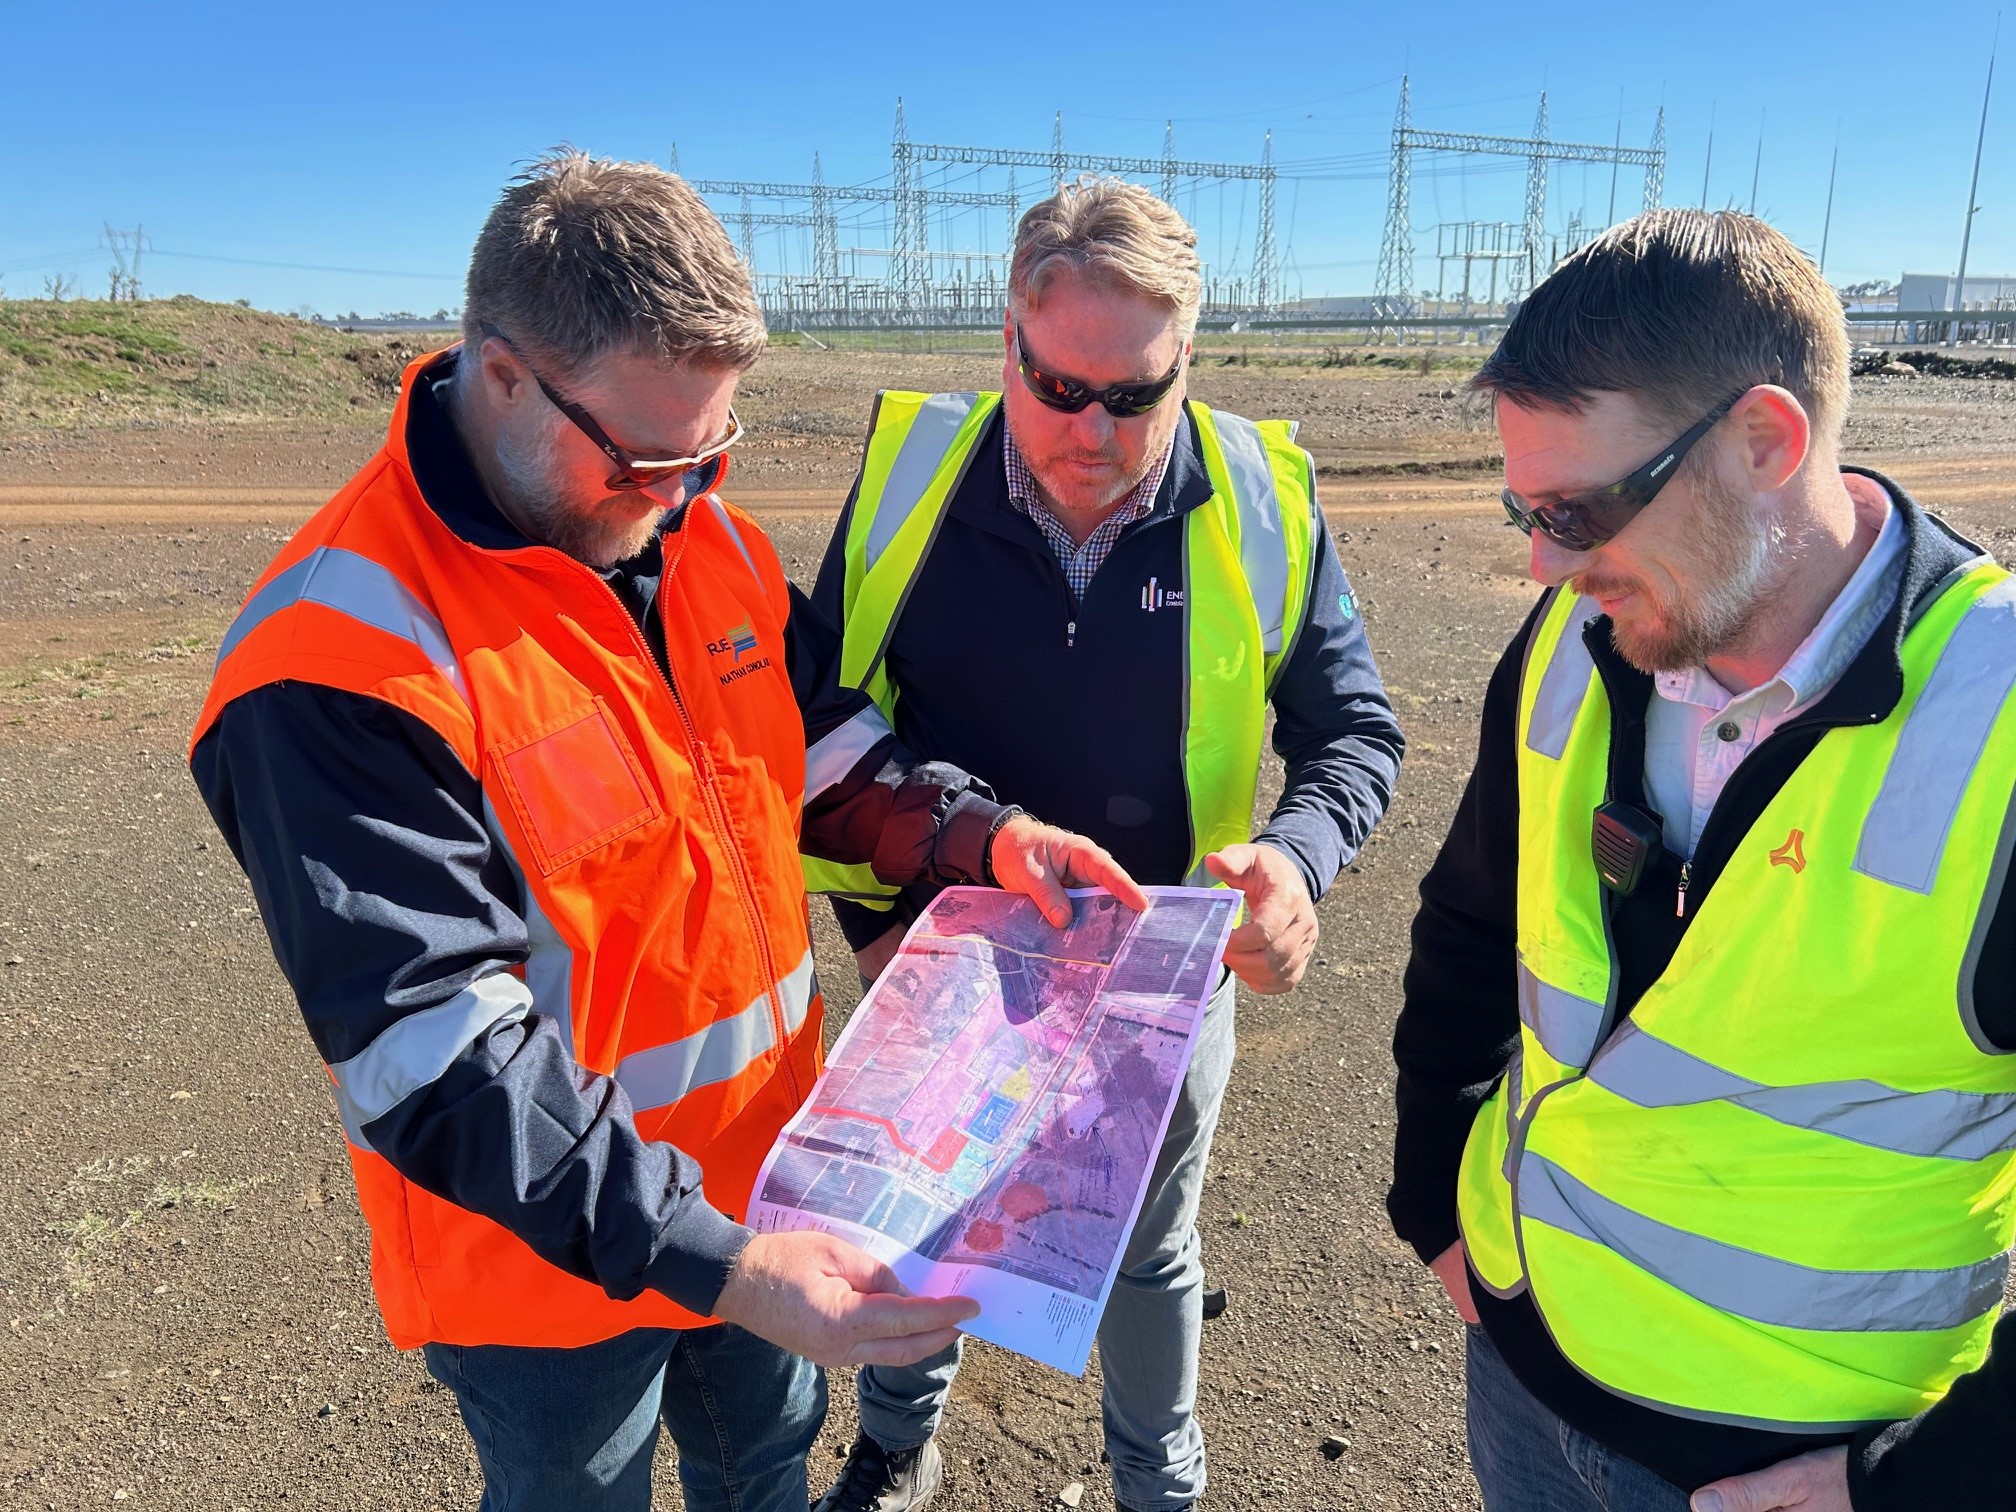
x,y
653,825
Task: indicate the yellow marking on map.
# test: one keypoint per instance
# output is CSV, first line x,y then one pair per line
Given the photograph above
x,y
1017,1086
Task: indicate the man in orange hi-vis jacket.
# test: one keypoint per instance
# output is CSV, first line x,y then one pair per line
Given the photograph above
x,y
518,741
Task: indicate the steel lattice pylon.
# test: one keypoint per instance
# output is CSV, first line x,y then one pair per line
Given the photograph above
x,y
906,156
911,286
909,205
825,234
1528,273
1396,253
1655,171
1396,247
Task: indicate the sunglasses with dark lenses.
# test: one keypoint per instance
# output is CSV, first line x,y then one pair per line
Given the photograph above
x,y
1123,401
695,475
1584,521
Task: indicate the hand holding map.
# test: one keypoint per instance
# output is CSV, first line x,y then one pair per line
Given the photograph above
x,y
820,1297
991,1115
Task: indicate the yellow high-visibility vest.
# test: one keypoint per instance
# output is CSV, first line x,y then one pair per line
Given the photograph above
x,y
1248,554
1782,1193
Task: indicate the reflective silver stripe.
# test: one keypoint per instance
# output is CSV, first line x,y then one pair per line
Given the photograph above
x,y
1757,1286
353,585
415,1050
660,1076
1263,548
1563,685
549,965
1514,1095
1905,833
728,524
1568,1027
1646,1070
839,751
924,447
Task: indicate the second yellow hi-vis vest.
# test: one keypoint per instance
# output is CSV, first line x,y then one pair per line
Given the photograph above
x,y
1247,560
1782,1192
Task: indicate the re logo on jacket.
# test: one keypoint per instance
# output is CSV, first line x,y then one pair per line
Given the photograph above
x,y
737,643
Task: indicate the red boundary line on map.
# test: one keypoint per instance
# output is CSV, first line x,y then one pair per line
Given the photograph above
x,y
900,1142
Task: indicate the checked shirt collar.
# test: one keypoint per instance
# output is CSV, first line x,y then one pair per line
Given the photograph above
x,y
1080,563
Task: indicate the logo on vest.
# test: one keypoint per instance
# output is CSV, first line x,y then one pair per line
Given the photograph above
x,y
1792,853
1155,596
742,638
734,644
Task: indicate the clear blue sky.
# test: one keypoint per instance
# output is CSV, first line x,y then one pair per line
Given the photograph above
x,y
363,144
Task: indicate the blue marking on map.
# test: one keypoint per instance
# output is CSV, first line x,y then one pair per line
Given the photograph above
x,y
991,1120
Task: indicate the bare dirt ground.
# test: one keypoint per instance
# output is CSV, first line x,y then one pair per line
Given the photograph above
x,y
182,1268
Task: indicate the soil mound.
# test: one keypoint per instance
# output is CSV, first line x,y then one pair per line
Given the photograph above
x,y
67,362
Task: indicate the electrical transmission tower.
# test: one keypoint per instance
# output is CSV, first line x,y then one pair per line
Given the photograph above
x,y
907,156
1536,203
825,262
909,201
1396,246
914,287
125,247
825,233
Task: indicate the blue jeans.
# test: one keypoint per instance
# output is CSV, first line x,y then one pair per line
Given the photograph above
x,y
1527,1460
1149,1335
573,1430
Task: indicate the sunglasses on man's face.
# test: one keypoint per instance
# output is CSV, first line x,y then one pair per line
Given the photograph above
x,y
1584,521
1123,401
694,475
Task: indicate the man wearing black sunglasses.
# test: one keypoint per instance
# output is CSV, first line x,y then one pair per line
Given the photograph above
x,y
1707,1085
1093,591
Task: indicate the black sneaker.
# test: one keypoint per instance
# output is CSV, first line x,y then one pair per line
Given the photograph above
x,y
875,1479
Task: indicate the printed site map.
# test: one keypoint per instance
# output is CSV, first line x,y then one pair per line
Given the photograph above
x,y
989,1119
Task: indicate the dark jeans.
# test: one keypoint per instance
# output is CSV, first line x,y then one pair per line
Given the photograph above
x,y
1149,1337
1528,1460
573,1430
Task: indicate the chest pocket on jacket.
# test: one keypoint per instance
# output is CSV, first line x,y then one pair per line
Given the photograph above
x,y
575,785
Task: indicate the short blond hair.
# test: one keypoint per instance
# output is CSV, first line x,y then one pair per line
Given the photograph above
x,y
1681,308
1115,233
583,257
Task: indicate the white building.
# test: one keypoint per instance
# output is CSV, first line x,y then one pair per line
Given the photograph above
x,y
1934,291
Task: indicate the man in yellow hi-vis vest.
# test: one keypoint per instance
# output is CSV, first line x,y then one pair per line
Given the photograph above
x,y
1708,1058
1088,541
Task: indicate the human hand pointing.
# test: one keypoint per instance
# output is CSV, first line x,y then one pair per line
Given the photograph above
x,y
1040,861
1271,950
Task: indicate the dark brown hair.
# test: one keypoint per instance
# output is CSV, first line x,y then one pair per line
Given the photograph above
x,y
1681,308
585,256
